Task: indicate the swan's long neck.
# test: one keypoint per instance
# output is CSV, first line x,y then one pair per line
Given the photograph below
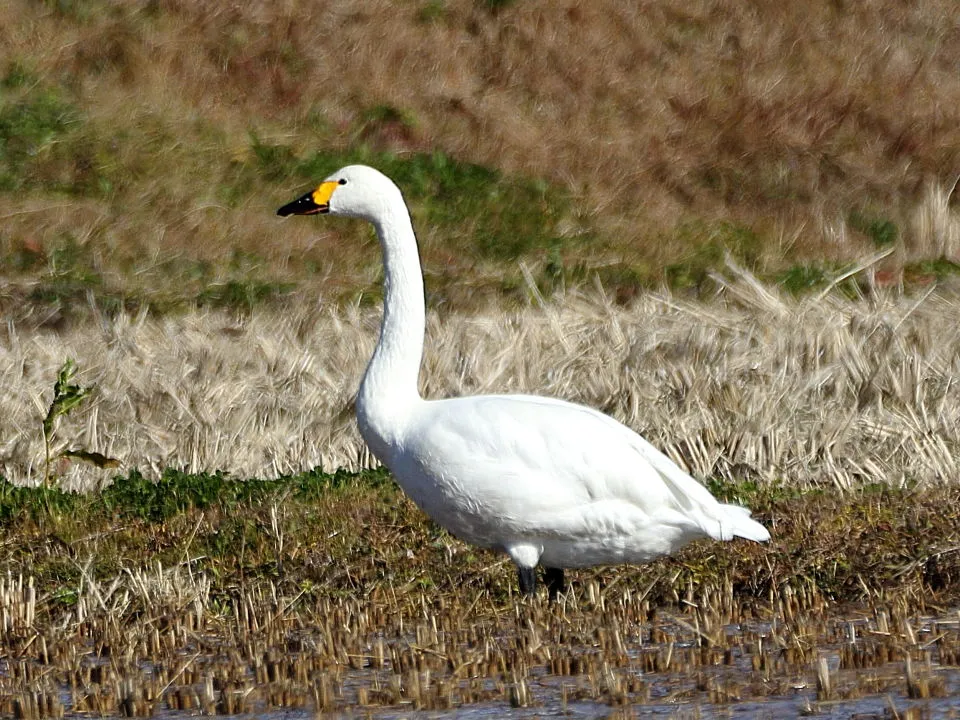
x,y
389,392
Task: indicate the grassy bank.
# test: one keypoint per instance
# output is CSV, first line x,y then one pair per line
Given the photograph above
x,y
143,148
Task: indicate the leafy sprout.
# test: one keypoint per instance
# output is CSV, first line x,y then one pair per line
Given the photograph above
x,y
67,395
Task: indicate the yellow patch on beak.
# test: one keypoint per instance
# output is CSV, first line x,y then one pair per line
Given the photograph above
x,y
321,196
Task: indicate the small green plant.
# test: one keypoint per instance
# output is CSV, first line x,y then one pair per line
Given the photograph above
x,y
881,230
29,128
798,279
17,76
432,11
67,396
710,242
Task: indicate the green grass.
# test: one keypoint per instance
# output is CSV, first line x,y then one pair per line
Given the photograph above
x,y
134,497
881,230
711,243
340,532
46,143
30,126
800,279
476,208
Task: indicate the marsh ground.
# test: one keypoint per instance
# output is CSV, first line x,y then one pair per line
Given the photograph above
x,y
333,593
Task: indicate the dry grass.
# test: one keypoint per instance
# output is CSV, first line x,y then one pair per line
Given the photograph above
x,y
752,386
658,120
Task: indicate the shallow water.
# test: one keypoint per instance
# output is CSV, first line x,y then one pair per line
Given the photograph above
x,y
592,656
852,666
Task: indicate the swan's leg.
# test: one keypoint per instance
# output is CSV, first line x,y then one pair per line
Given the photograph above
x,y
555,580
528,580
526,556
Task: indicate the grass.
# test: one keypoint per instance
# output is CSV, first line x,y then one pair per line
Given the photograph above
x,y
344,532
680,138
848,389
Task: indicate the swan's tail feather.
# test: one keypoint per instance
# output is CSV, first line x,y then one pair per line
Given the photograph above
x,y
719,521
737,522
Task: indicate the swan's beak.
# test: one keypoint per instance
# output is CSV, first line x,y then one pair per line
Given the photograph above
x,y
315,201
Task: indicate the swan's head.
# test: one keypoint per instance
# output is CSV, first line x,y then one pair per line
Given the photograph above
x,y
354,191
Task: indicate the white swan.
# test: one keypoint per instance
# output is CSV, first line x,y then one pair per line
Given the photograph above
x,y
546,481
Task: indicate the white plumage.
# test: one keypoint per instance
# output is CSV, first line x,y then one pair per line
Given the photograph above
x,y
546,481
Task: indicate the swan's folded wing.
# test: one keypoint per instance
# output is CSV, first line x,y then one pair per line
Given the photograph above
x,y
531,453
536,458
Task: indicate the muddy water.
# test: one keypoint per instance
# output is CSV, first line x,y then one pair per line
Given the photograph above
x,y
849,681
865,665
716,658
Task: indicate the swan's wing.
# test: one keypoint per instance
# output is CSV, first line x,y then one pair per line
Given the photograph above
x,y
531,458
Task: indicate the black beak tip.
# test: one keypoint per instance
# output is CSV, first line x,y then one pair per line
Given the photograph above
x,y
303,205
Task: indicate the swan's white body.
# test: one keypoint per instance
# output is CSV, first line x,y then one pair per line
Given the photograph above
x,y
544,480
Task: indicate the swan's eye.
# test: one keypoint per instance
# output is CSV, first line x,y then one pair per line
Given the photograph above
x,y
342,181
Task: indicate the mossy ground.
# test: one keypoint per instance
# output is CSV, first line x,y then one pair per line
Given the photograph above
x,y
358,534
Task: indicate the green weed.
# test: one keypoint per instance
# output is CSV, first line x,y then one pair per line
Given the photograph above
x,y
34,503
17,76
46,143
710,243
881,230
750,493
176,492
71,273
67,396
29,127
799,279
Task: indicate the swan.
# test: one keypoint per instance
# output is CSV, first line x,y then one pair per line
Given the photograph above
x,y
547,482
